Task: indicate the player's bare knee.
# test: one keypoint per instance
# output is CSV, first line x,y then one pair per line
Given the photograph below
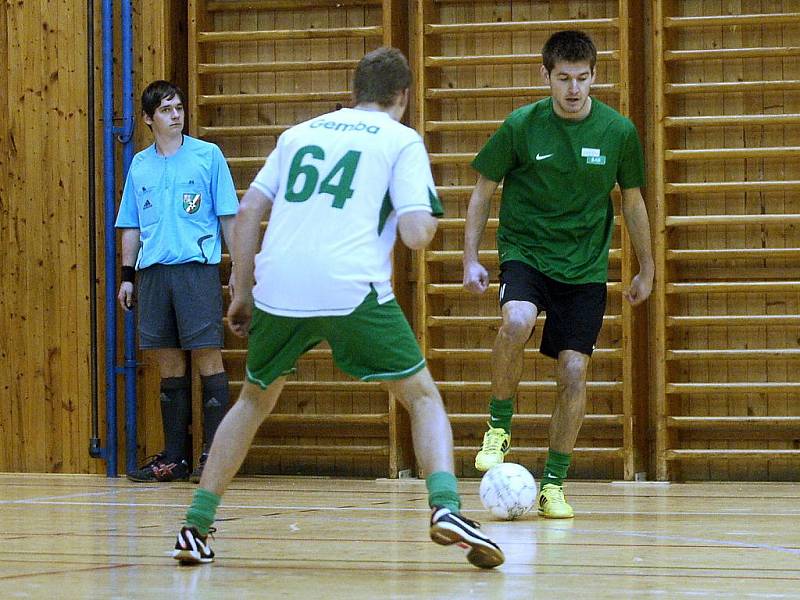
x,y
417,389
261,404
572,370
420,396
260,401
517,326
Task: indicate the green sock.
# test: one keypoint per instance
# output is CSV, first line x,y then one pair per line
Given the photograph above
x,y
500,412
443,490
555,469
202,511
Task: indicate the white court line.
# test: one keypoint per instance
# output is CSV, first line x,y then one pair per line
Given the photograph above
x,y
48,499
733,512
688,539
239,506
391,509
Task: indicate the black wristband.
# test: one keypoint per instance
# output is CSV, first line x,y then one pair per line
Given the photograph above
x,y
128,274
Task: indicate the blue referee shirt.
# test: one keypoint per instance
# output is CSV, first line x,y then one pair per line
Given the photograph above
x,y
176,203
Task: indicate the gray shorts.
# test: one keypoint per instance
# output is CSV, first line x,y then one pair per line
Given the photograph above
x,y
179,306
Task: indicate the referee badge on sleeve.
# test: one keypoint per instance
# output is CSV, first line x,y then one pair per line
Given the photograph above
x,y
191,203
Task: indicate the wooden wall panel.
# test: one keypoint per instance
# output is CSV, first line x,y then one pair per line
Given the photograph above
x,y
7,428
45,418
726,125
44,281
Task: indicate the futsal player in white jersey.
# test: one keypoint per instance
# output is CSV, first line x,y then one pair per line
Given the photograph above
x,y
337,189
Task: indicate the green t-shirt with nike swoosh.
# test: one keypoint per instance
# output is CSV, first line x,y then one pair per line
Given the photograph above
x,y
556,212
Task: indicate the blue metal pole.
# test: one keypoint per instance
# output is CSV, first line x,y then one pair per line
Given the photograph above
x,y
127,156
110,241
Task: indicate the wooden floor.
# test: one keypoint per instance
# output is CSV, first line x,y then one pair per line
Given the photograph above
x,y
91,537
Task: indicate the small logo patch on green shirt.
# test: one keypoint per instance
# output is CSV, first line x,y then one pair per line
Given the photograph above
x,y
595,160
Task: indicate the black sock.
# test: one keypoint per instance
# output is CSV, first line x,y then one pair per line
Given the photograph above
x,y
176,411
215,405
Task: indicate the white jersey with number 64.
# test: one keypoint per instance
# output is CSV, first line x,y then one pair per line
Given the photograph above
x,y
339,182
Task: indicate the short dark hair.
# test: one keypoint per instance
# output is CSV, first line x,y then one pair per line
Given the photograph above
x,y
380,75
569,46
157,91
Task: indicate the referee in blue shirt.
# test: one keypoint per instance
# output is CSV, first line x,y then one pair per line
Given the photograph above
x,y
178,199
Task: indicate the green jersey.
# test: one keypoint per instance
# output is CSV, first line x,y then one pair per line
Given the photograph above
x,y
556,212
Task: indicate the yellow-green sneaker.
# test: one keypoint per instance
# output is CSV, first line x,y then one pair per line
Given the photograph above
x,y
552,504
496,443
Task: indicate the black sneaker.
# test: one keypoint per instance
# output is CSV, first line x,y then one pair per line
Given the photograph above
x,y
157,468
191,548
197,473
451,528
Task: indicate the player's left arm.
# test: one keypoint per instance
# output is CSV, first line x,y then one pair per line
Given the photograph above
x,y
635,212
227,222
254,207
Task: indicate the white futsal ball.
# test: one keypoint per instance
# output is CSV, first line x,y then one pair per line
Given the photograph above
x,y
508,491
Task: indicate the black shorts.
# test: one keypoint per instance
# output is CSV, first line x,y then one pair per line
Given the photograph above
x,y
574,311
179,306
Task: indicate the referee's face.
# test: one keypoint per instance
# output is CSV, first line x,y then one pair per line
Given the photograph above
x,y
167,120
570,85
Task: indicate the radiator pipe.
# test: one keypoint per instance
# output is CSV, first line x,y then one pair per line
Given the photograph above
x,y
95,451
126,137
109,452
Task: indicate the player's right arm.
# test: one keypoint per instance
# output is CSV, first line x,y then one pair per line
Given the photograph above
x,y
413,193
417,228
476,277
130,248
253,208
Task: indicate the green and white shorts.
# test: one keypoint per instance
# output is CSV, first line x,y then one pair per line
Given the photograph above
x,y
373,343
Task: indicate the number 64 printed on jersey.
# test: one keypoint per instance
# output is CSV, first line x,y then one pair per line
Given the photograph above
x,y
345,169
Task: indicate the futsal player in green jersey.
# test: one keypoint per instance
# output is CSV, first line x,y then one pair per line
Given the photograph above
x,y
558,158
